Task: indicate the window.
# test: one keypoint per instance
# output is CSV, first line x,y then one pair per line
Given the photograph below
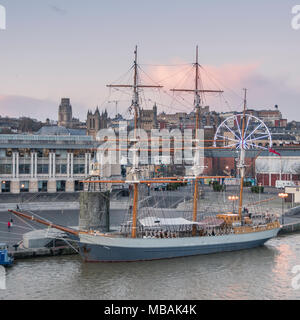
x,y
79,186
24,168
61,154
24,153
79,153
43,153
79,169
61,168
42,168
42,185
39,153
24,186
5,186
5,168
61,186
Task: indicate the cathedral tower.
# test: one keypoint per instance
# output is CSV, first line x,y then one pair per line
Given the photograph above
x,y
65,113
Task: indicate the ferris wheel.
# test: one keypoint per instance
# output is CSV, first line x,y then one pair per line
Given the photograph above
x,y
256,134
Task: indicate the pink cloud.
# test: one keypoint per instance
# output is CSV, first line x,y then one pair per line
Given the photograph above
x,y
184,75
229,78
263,91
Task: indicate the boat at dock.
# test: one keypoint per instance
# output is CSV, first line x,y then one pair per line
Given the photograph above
x,y
5,259
152,237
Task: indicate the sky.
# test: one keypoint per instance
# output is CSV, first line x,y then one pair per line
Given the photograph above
x,y
73,48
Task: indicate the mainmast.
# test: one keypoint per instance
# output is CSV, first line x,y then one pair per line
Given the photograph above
x,y
242,157
197,106
135,104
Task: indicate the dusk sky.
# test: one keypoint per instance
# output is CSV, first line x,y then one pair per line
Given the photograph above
x,y
72,48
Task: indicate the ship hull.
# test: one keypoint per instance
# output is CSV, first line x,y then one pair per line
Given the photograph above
x,y
106,249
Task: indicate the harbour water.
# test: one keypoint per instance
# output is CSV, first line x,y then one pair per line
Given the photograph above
x,y
261,273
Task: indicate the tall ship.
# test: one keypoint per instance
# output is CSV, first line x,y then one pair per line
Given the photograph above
x,y
148,236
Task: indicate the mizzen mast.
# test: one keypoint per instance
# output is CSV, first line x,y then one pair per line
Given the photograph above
x,y
242,157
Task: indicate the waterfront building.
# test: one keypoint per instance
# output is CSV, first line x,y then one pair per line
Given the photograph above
x,y
263,166
269,169
47,163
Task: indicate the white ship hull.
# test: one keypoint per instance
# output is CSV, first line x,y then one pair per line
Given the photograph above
x,y
96,248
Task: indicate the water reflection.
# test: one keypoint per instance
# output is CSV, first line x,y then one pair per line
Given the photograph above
x,y
261,273
217,276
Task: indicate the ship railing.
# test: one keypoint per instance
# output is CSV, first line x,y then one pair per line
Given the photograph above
x,y
158,233
256,228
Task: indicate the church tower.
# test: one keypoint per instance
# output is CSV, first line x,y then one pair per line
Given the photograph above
x,y
65,113
96,122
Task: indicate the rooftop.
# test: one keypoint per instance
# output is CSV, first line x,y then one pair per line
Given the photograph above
x,y
33,137
46,141
62,131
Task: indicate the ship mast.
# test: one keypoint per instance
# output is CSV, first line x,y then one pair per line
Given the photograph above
x,y
242,157
135,155
197,105
134,171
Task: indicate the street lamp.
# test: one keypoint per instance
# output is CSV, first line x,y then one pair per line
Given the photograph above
x,y
233,199
259,191
283,196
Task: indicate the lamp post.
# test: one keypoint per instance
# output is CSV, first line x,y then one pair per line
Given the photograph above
x,y
283,196
233,199
259,189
